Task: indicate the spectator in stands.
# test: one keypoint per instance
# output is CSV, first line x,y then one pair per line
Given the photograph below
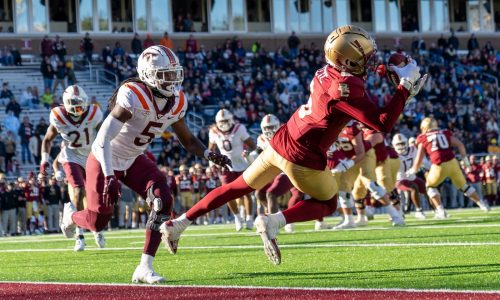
x,y
59,48
13,107
46,47
293,45
148,41
118,51
472,43
10,151
167,41
87,47
47,98
493,147
3,153
70,73
188,23
60,76
42,126
47,71
11,122
6,94
52,194
26,131
106,52
35,146
27,98
453,40
191,44
7,59
21,206
16,56
9,203
136,45
179,23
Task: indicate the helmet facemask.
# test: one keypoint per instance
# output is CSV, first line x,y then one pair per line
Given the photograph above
x,y
76,106
168,81
401,147
224,125
269,130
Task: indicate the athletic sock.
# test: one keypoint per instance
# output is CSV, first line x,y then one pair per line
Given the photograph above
x,y
147,260
310,210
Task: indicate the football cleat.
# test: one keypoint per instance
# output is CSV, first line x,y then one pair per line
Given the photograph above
x,y
346,224
398,222
249,223
419,215
79,245
289,228
268,228
320,225
99,239
483,206
238,223
67,225
361,221
171,233
440,214
146,274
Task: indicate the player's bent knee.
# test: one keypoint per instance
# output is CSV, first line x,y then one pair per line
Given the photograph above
x,y
360,203
468,190
433,192
97,222
345,200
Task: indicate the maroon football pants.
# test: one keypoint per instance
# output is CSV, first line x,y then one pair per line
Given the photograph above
x,y
140,177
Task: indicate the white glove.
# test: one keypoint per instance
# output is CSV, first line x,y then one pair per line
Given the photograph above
x,y
466,163
408,75
410,174
343,165
418,86
59,176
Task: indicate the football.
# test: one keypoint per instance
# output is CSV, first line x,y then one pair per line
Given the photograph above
x,y
398,60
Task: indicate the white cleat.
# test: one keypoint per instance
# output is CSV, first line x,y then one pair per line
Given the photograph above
x,y
79,245
249,224
145,274
398,222
289,228
268,228
484,207
238,223
361,221
171,233
440,215
320,225
99,239
345,225
67,225
419,215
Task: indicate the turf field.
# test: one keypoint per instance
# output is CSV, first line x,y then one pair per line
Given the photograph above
x,y
460,253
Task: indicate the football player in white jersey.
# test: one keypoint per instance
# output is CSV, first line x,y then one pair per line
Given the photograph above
x,y
76,121
141,110
230,139
406,181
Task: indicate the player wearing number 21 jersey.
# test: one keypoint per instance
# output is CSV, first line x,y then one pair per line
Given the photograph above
x,y
299,147
141,110
438,146
76,122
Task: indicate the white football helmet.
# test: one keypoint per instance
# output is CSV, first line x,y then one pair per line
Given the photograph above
x,y
269,125
400,143
160,69
224,120
75,100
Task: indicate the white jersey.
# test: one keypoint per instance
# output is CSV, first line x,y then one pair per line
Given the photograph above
x,y
262,142
147,123
231,144
78,136
407,160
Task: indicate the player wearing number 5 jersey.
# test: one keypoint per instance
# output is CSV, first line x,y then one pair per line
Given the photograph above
x,y
299,147
141,110
76,122
438,146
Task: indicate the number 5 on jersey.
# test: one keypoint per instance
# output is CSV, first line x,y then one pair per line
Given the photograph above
x,y
146,135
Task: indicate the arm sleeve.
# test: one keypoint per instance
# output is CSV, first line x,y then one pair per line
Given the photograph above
x,y
102,145
367,112
244,133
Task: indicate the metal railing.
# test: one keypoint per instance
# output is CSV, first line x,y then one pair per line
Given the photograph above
x,y
82,64
103,75
195,122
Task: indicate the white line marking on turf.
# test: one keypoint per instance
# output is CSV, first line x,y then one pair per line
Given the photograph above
x,y
262,287
311,245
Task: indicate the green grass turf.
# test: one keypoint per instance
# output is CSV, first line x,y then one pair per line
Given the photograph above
x,y
309,259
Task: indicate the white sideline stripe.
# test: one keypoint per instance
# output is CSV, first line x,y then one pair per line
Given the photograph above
x,y
312,245
340,289
46,239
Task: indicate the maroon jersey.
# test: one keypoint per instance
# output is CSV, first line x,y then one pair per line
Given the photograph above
x,y
172,184
336,98
489,171
380,148
346,136
210,183
184,182
391,152
437,144
196,184
474,173
32,193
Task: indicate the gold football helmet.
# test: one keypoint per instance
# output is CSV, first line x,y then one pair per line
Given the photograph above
x,y
428,124
350,48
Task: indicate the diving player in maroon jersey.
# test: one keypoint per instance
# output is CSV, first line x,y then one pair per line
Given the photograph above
x,y
299,147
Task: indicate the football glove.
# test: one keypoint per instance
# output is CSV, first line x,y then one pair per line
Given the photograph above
x,y
218,159
111,192
418,86
59,176
408,75
44,166
466,163
410,174
343,165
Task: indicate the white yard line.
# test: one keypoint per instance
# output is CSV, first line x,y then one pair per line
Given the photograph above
x,y
311,245
261,287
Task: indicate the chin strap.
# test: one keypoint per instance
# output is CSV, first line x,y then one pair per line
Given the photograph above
x,y
170,101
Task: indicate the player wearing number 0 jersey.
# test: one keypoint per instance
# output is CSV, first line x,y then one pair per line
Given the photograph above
x,y
76,121
141,110
438,146
231,138
299,147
